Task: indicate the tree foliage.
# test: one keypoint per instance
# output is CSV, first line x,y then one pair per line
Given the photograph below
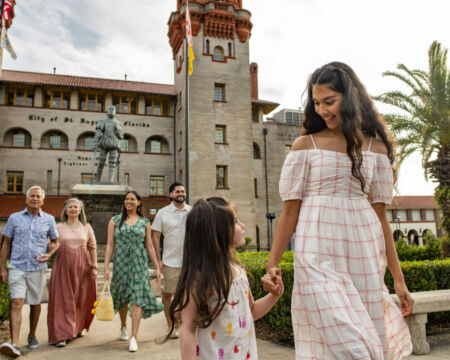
x,y
424,122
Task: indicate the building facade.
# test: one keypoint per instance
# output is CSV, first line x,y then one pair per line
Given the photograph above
x,y
47,125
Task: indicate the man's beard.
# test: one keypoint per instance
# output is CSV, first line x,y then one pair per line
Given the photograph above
x,y
179,201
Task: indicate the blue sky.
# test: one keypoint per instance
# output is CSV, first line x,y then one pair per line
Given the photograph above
x,y
290,38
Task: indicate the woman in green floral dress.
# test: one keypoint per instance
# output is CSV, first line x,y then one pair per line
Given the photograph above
x,y
129,236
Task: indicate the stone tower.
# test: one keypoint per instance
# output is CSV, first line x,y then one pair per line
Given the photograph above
x,y
220,104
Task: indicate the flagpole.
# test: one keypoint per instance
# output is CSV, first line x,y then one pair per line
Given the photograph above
x,y
187,112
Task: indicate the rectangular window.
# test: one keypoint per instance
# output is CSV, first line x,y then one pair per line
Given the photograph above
x,y
221,177
221,134
57,99
19,96
49,178
156,107
19,140
255,186
155,146
55,142
91,102
219,92
124,145
156,185
125,104
126,179
287,149
14,181
86,178
88,143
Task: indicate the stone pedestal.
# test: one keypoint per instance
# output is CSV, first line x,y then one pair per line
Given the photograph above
x,y
101,202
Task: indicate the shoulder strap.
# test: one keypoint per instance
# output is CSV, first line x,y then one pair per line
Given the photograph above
x,y
370,143
312,139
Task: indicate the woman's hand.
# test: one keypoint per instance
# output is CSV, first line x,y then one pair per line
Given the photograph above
x,y
158,275
406,300
107,275
275,288
94,272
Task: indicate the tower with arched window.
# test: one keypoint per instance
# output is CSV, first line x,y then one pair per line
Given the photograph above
x,y
220,104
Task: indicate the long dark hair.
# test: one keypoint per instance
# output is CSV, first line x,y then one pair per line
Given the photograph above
x,y
124,210
208,259
357,110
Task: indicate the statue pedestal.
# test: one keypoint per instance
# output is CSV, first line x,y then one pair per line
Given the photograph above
x,y
101,202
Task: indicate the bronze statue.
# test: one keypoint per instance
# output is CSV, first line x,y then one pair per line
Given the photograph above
x,y
108,132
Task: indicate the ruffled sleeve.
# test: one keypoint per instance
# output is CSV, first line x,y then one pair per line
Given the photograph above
x,y
382,181
294,175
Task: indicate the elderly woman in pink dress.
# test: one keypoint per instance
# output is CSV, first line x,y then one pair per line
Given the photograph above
x,y
72,288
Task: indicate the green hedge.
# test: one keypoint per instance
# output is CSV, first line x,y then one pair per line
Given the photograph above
x,y
4,302
430,251
419,276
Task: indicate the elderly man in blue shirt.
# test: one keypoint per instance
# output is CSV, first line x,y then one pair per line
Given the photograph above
x,y
26,237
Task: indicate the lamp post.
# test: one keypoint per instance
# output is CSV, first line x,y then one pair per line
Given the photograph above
x,y
397,220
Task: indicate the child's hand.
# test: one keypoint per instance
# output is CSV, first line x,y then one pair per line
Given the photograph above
x,y
273,284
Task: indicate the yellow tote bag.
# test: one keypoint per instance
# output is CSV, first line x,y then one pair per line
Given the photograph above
x,y
105,308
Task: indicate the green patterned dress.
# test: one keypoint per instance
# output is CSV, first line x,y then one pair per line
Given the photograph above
x,y
130,283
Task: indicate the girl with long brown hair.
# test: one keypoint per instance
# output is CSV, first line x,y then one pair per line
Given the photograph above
x,y
213,294
335,184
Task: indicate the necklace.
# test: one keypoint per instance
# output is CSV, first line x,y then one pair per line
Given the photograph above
x,y
72,227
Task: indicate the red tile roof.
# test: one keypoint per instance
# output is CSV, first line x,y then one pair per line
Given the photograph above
x,y
12,203
32,78
268,106
413,202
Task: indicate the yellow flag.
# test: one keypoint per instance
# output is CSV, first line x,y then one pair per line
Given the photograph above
x,y
189,40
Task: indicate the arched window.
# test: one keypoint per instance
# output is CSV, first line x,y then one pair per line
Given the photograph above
x,y
229,49
413,237
128,143
218,53
86,141
54,139
207,46
256,151
17,137
156,145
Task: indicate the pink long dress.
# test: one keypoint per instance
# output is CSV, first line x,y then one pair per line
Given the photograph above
x,y
341,308
72,289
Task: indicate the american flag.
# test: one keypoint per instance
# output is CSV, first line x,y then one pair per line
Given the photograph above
x,y
7,16
8,12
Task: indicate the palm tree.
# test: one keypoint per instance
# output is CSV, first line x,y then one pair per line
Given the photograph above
x,y
424,124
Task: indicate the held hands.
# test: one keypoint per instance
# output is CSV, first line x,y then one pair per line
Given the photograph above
x,y
406,301
273,283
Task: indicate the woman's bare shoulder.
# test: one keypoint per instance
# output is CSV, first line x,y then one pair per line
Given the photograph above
x,y
378,147
302,143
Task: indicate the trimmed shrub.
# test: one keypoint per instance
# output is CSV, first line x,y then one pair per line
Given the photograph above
x,y
445,245
4,302
419,276
430,251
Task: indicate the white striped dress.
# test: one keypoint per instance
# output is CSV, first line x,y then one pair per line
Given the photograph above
x,y
341,308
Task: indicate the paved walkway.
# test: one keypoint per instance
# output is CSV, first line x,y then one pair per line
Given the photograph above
x,y
102,342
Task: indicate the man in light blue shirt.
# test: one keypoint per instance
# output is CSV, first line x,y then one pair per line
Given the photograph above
x,y
26,237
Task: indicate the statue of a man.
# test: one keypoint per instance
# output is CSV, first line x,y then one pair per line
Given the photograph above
x,y
107,135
